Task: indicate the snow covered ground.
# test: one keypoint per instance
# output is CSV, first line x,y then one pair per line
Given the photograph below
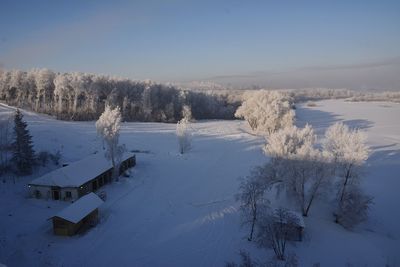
x,y
180,211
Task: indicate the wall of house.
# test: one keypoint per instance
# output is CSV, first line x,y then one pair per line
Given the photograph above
x,y
66,228
128,163
74,193
37,191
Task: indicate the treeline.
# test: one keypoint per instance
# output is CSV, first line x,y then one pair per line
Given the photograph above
x,y
82,96
315,94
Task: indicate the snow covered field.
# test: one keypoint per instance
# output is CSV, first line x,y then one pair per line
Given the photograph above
x,y
180,211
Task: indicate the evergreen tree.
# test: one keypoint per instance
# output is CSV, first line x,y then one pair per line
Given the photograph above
x,y
23,153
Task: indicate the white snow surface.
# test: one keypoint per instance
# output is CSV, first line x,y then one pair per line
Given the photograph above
x,y
79,172
80,208
179,210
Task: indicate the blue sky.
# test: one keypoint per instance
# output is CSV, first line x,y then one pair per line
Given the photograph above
x,y
354,44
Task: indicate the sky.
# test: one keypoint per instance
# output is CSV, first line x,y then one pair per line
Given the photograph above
x,y
275,44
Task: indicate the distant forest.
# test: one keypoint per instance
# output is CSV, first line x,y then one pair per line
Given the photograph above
x,y
82,96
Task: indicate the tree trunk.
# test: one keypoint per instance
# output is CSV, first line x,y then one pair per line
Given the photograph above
x,y
253,222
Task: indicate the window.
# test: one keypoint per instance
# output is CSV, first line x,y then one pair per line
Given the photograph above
x,y
68,194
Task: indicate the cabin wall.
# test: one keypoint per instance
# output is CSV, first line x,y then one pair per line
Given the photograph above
x,y
37,191
127,164
66,228
72,191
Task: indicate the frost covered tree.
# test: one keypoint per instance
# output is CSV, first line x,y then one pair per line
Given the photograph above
x,y
251,198
290,142
266,111
45,88
22,147
187,113
304,171
183,131
349,151
83,96
108,127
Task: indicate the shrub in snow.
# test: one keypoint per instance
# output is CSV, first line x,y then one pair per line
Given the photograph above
x,y
22,147
311,104
266,111
245,261
353,208
108,127
290,261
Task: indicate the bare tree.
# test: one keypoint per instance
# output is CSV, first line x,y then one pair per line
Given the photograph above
x,y
251,198
274,231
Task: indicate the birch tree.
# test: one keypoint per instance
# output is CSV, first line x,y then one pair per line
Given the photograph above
x,y
108,127
304,170
349,151
183,132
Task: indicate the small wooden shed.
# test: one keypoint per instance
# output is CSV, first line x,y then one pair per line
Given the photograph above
x,y
78,216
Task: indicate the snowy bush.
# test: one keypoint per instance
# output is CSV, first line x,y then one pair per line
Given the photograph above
x,y
353,208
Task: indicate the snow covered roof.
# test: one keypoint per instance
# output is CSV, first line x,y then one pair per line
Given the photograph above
x,y
79,172
80,208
